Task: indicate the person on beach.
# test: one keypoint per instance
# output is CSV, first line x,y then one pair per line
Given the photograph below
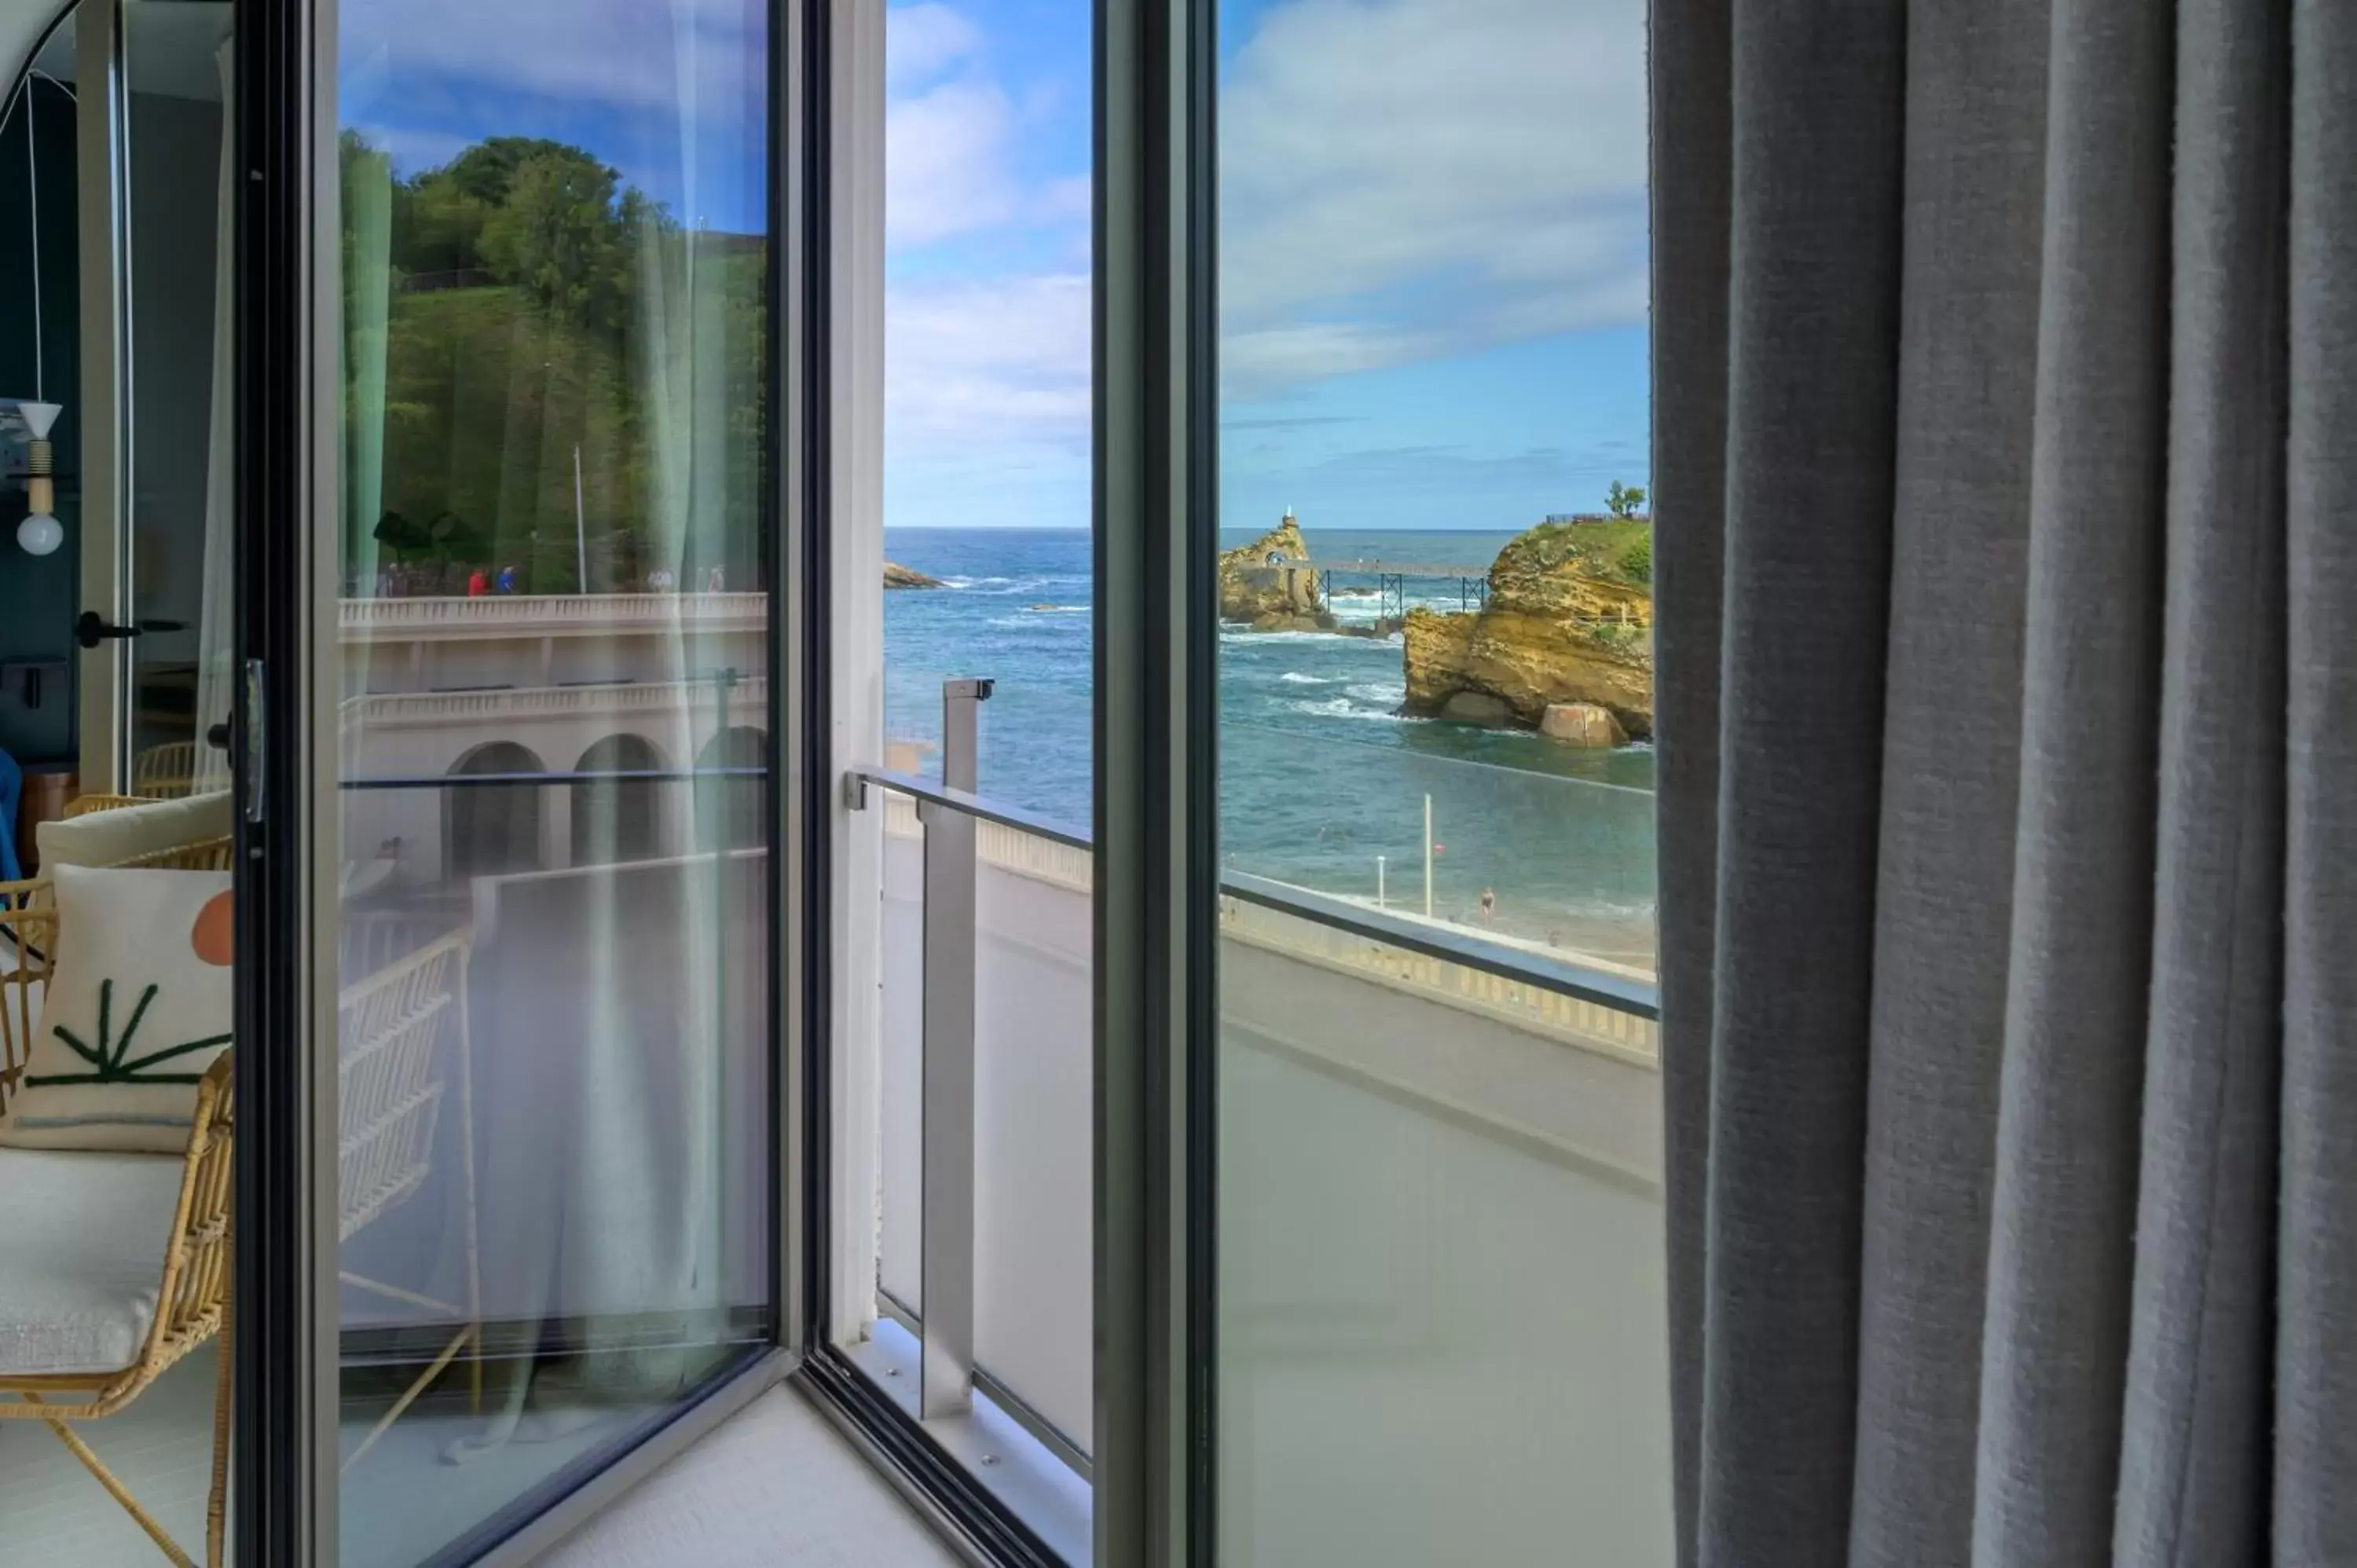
x,y
1489,903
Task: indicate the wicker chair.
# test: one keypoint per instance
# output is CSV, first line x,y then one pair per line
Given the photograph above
x,y
392,1075
190,1307
392,1079
192,1304
164,772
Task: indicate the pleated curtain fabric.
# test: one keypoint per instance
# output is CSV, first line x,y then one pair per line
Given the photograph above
x,y
2005,477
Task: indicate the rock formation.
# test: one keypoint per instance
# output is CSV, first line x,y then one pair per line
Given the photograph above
x,y
900,577
1258,590
1581,724
1568,621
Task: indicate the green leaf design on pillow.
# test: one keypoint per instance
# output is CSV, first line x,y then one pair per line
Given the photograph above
x,y
112,1061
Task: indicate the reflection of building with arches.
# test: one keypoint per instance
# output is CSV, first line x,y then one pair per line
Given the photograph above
x,y
533,733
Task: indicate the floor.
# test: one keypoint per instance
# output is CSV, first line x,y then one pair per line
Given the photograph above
x,y
775,1485
56,1512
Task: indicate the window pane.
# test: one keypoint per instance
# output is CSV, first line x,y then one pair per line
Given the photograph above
x,y
176,61
973,1312
556,947
1440,1268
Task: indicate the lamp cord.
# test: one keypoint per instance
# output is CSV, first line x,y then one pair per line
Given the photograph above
x,y
23,93
33,192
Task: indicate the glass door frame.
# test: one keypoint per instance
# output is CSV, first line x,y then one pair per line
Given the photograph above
x,y
1156,800
104,701
1154,535
289,313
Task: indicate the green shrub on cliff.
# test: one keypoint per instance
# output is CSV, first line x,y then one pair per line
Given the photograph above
x,y
1637,561
1615,551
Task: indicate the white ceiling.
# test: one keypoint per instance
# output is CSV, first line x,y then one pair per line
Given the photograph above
x,y
22,23
169,44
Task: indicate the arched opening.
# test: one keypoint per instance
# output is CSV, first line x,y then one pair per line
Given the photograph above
x,y
728,807
617,819
491,829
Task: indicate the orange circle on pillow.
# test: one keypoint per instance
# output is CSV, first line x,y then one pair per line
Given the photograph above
x,y
214,934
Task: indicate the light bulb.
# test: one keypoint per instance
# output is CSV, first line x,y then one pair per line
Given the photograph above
x,y
39,533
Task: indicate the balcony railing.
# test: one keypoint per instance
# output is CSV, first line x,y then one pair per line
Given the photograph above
x,y
1492,1087
747,694
540,615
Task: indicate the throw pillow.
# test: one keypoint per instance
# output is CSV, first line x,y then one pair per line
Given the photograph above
x,y
136,1008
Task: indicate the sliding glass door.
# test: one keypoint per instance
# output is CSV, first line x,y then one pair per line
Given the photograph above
x,y
522,709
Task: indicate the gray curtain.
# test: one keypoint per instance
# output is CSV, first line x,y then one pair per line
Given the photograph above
x,y
2006,479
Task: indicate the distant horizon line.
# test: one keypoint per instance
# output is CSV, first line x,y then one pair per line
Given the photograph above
x,y
1245,527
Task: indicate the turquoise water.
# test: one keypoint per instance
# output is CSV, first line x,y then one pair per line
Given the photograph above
x,y
1320,778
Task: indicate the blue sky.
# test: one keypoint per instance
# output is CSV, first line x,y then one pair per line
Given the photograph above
x,y
1433,229
1433,260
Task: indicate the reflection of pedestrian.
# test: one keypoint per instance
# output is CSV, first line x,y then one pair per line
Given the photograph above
x,y
507,579
1489,903
661,579
478,585
715,581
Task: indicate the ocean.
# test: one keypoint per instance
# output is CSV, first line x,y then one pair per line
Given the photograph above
x,y
1322,782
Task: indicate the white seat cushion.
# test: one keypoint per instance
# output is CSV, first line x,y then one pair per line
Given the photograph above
x,y
83,1239
109,838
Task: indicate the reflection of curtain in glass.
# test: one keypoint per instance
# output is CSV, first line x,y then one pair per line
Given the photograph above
x,y
367,287
216,653
659,1006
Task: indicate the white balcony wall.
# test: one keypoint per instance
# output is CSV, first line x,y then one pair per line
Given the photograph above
x,y
1034,1263
1440,1216
1442,1279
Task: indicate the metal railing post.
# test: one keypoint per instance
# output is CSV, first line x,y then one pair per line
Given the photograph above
x,y
946,1366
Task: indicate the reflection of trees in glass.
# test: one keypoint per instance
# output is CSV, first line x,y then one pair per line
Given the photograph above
x,y
529,296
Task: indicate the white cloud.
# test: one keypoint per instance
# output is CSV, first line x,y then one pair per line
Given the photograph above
x,y
1406,178
922,41
644,54
970,365
986,372
948,168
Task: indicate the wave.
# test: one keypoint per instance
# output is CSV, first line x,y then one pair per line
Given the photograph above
x,y
1031,582
1294,678
1344,708
1244,634
1393,694
1034,621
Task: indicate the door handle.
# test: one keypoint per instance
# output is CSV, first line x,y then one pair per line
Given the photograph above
x,y
91,629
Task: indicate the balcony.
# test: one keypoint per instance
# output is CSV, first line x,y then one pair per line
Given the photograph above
x,y
1440,1205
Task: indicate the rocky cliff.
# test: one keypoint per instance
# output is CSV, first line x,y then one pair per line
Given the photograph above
x,y
1569,620
1258,591
899,576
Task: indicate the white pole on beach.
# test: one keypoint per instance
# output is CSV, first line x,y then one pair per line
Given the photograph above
x,y
1379,882
1428,856
580,528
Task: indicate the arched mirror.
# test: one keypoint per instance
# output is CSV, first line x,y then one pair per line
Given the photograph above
x,y
40,427
115,342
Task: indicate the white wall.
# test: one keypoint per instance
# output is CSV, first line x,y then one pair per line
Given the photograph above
x,y
1442,1270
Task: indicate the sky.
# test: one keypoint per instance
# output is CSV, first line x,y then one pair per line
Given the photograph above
x,y
1432,231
